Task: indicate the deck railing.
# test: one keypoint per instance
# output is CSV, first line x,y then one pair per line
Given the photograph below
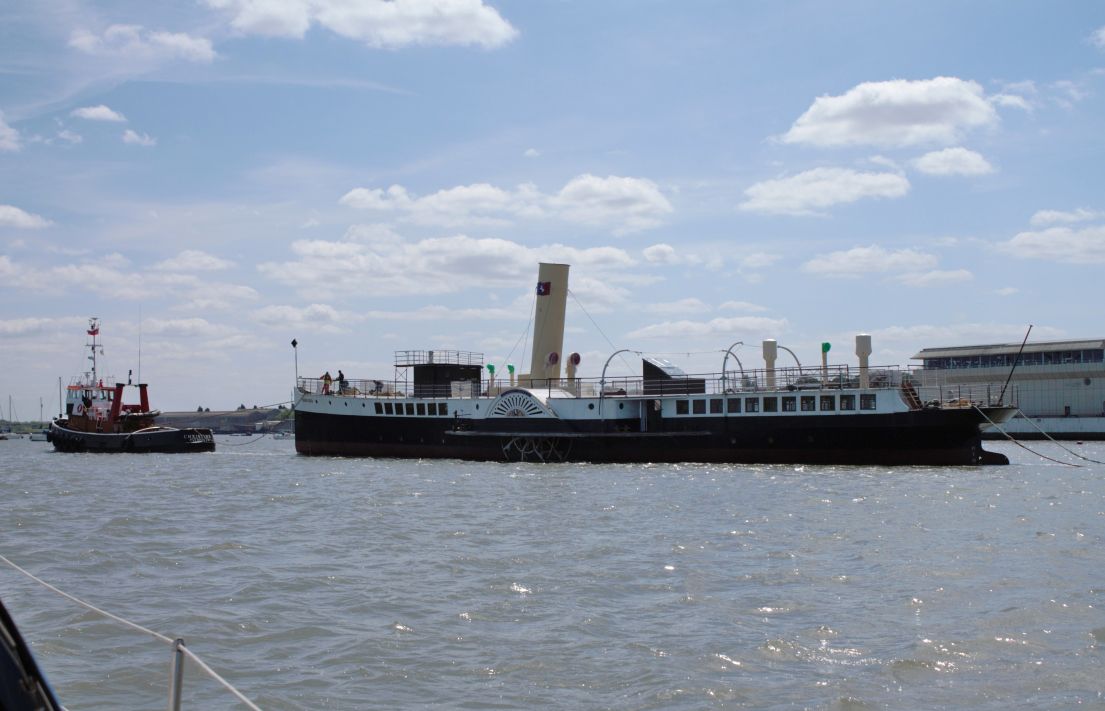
x,y
731,382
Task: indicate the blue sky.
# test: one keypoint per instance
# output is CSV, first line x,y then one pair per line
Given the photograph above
x,y
222,176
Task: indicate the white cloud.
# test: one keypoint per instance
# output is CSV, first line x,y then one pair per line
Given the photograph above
x,y
324,269
817,189
9,137
70,137
953,161
1006,291
98,113
35,326
741,306
386,24
660,254
1011,101
134,42
752,326
631,204
682,306
758,260
138,139
1069,93
1060,244
315,317
11,216
531,153
1051,217
865,260
935,278
1098,38
186,327
623,204
191,260
895,113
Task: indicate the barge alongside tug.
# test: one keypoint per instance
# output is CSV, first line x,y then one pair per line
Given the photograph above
x,y
826,415
97,420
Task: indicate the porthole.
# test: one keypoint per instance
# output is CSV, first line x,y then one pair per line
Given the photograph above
x,y
621,405
590,406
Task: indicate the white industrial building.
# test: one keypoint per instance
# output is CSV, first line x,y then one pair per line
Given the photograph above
x,y
1058,385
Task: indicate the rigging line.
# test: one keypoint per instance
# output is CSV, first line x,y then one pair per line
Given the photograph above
x,y
242,444
1045,434
1014,441
525,331
135,626
77,600
599,329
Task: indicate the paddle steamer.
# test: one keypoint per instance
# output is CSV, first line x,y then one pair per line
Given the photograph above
x,y
452,404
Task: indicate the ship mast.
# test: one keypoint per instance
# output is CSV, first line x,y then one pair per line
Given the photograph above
x,y
93,332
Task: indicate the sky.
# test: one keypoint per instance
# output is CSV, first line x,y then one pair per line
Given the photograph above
x,y
213,178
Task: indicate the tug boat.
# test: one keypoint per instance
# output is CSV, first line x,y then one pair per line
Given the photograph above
x,y
97,420
825,415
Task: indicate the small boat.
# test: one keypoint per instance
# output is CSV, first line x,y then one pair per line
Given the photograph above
x,y
40,436
97,420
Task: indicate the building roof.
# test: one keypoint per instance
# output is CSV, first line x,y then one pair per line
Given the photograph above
x,y
1011,348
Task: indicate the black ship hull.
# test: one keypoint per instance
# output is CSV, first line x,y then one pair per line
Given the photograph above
x,y
924,437
166,440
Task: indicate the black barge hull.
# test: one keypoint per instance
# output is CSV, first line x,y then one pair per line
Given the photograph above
x,y
164,440
927,437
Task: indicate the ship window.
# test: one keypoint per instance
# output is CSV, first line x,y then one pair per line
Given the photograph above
x,y
432,408
681,407
790,404
734,404
379,409
752,404
387,408
410,408
715,406
808,403
771,404
847,402
828,403
421,408
867,401
699,407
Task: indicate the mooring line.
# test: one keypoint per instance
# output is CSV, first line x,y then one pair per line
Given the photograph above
x,y
1055,441
1014,441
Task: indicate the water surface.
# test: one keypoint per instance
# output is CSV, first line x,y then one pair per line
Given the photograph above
x,y
316,583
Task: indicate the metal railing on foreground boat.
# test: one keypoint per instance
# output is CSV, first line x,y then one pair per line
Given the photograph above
x,y
176,675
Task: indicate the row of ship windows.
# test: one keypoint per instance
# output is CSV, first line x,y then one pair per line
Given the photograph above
x,y
786,403
1006,360
412,408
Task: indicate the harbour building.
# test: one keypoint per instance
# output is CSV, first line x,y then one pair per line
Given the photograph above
x,y
1059,386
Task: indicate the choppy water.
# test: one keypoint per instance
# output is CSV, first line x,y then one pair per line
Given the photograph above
x,y
345,584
